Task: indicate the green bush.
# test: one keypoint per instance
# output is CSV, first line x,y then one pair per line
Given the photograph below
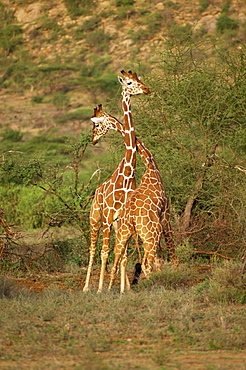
x,y
172,4
49,24
193,123
99,40
185,252
170,279
80,7
11,37
225,23
6,15
227,284
40,192
179,34
124,2
79,114
203,5
37,99
225,7
90,24
60,99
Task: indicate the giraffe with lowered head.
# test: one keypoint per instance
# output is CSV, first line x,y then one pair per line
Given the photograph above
x,y
112,194
150,194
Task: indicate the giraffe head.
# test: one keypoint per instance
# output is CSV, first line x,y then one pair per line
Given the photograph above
x,y
102,122
131,84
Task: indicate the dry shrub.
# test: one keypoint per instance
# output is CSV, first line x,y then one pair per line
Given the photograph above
x,y
228,283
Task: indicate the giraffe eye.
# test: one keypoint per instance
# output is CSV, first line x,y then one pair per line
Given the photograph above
x,y
96,124
129,83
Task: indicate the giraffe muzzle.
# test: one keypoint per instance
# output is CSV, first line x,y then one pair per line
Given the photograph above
x,y
146,91
95,141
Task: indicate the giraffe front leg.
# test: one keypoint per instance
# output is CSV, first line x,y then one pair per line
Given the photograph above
x,y
104,257
88,274
114,271
94,236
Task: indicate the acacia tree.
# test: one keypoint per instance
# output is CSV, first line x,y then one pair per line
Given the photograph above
x,y
194,123
56,194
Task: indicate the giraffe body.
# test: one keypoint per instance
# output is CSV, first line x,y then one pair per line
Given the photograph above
x,y
113,193
146,211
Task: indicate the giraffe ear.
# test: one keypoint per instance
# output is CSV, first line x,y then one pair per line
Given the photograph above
x,y
121,81
96,119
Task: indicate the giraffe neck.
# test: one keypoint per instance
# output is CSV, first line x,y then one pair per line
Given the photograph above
x,y
130,139
144,152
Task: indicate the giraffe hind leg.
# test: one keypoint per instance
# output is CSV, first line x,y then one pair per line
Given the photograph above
x,y
170,246
104,257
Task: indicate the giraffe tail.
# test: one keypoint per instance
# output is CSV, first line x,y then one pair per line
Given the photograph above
x,y
137,272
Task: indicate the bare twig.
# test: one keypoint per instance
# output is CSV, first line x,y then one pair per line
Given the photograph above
x,y
212,253
5,225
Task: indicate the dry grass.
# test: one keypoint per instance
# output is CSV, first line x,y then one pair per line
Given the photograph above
x,y
172,322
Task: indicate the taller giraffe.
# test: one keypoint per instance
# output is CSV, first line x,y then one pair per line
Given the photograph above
x,y
151,189
112,194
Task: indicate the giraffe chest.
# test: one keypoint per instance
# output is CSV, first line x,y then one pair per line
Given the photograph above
x,y
114,195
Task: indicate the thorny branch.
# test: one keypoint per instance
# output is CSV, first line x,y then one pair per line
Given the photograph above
x,y
10,238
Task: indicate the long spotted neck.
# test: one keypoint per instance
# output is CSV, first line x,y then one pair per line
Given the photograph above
x,y
145,154
130,139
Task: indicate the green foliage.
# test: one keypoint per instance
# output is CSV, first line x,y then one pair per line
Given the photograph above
x,y
70,251
203,5
37,99
6,15
49,24
225,23
228,284
80,7
172,4
179,34
17,73
11,37
153,22
124,2
193,124
226,6
60,99
184,252
79,114
40,194
90,24
169,279
99,75
106,83
99,40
